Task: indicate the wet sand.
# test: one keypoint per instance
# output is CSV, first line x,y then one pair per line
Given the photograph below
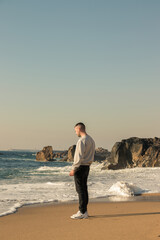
x,y
108,220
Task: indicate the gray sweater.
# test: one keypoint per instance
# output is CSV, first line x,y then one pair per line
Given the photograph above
x,y
84,152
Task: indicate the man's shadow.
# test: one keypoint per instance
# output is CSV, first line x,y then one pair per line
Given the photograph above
x,y
123,215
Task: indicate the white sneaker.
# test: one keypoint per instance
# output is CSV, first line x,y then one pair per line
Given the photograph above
x,y
80,215
76,214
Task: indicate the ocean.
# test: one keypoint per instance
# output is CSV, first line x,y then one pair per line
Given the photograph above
x,y
23,180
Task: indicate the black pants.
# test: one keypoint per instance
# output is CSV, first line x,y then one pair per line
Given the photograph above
x,y
80,178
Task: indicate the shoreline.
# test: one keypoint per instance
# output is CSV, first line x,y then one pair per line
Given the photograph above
x,y
144,197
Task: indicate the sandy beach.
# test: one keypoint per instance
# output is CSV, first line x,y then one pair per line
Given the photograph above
x,y
108,220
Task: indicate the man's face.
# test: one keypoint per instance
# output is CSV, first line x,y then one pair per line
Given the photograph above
x,y
77,131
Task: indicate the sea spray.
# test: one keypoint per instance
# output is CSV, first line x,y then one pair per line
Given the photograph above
x,y
125,189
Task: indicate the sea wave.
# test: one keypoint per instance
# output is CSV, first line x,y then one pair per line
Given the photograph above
x,y
36,182
125,189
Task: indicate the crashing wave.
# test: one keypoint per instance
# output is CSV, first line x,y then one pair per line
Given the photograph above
x,y
125,189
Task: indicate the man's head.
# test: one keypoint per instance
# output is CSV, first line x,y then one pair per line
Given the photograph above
x,y
80,129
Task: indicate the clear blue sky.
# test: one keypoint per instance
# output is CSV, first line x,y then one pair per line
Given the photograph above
x,y
62,62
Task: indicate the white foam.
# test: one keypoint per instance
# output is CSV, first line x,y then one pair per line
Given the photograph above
x,y
95,168
124,189
45,168
50,183
12,209
54,169
17,195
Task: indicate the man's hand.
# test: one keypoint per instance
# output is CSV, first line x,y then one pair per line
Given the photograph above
x,y
71,173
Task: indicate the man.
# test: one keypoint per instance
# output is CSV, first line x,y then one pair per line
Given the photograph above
x,y
83,157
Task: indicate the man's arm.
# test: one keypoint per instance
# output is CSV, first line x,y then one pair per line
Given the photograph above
x,y
78,156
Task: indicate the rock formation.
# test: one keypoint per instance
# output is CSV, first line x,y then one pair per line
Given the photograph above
x,y
60,154
70,154
134,152
129,153
101,154
45,155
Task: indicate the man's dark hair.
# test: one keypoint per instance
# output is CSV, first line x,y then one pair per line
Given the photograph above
x,y
82,126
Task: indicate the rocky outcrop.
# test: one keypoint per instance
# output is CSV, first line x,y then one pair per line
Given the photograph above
x,y
1,153
101,154
45,155
134,152
60,154
70,154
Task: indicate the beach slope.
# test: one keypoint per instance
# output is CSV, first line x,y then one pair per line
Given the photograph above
x,y
114,220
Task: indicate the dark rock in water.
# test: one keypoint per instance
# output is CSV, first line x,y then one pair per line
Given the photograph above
x,y
1,153
60,154
101,154
45,155
134,152
70,154
64,159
